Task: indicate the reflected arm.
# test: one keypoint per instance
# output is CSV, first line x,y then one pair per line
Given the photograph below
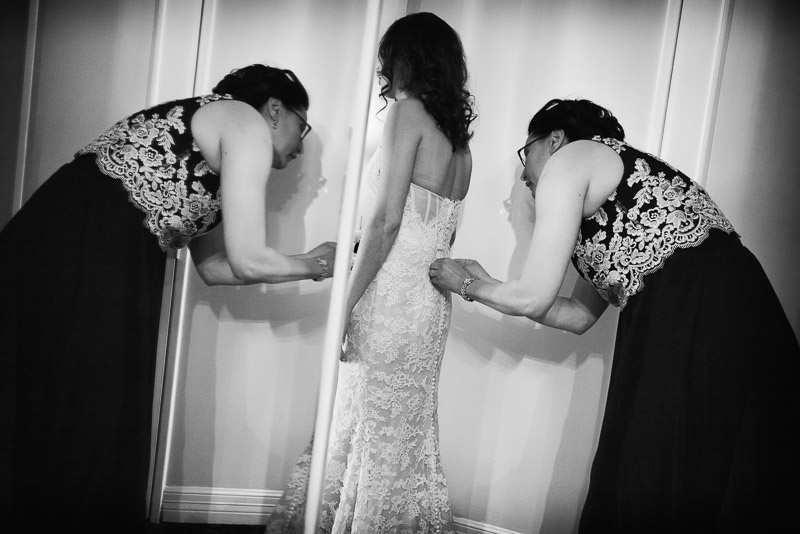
x,y
211,261
235,253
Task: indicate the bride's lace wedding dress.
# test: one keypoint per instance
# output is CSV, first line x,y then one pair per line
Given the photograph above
x,y
383,471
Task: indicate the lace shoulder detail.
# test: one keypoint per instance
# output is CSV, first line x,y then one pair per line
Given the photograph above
x,y
655,210
154,156
616,144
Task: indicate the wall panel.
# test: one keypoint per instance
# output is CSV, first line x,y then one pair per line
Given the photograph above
x,y
90,70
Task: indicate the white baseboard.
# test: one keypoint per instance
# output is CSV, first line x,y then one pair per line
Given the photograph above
x,y
468,526
227,506
230,506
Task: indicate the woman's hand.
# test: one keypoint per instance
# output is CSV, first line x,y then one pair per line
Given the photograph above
x,y
325,251
449,274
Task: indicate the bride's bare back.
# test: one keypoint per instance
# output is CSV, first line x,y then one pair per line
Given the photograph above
x,y
437,167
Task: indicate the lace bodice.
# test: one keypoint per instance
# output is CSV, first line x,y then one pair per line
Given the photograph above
x,y
655,210
153,154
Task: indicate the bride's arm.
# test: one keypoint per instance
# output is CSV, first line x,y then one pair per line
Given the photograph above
x,y
400,139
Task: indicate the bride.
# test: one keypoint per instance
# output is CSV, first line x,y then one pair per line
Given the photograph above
x,y
383,470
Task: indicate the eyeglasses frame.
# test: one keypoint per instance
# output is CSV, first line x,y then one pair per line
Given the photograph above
x,y
306,126
521,152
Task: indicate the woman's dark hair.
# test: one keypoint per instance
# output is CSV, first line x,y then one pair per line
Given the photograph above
x,y
580,119
431,63
255,84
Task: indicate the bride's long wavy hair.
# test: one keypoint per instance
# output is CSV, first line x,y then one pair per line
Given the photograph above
x,y
430,59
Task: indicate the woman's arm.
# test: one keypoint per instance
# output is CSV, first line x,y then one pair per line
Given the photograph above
x,y
400,139
211,261
559,205
576,313
237,137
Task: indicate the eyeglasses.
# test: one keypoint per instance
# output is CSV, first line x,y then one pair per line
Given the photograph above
x,y
521,152
306,126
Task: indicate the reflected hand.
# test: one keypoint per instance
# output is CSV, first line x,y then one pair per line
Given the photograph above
x,y
448,274
325,251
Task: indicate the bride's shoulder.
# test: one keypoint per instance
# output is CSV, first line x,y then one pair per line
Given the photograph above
x,y
410,104
409,110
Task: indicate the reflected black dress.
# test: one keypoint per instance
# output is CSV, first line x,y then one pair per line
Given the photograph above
x,y
695,436
81,275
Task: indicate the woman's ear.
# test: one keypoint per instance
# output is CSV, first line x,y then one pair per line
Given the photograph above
x,y
273,109
556,140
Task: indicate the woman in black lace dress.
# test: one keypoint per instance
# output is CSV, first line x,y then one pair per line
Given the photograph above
x,y
81,275
695,436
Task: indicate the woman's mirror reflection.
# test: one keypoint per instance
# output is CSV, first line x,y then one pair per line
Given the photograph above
x,y
81,349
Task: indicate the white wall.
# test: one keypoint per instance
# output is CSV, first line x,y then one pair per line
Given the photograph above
x,y
90,69
520,405
754,160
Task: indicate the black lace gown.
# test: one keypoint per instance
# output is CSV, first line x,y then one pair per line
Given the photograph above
x,y
697,430
81,278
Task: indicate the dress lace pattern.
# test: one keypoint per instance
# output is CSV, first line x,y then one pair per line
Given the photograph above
x,y
152,153
383,471
655,210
